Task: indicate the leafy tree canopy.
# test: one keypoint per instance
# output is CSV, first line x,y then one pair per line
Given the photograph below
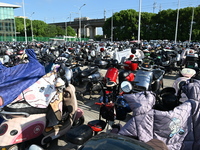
x,y
41,29
124,24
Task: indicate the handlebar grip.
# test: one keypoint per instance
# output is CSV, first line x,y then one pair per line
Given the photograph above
x,y
96,103
107,105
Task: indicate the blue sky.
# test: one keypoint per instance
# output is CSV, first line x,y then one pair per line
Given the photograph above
x,y
52,11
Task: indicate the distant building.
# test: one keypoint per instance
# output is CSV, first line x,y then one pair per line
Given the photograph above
x,y
7,21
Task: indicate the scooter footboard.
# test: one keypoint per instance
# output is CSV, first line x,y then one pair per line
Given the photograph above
x,y
56,131
21,129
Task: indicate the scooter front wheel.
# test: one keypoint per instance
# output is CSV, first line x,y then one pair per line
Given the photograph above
x,y
14,147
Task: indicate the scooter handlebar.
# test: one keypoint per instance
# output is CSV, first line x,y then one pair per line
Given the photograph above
x,y
107,105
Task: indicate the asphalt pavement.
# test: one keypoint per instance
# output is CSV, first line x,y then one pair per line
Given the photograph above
x,y
91,112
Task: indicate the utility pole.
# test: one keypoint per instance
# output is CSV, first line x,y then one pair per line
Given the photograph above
x,y
140,4
105,20
154,6
112,28
66,28
80,21
104,14
32,35
177,21
160,8
25,32
191,24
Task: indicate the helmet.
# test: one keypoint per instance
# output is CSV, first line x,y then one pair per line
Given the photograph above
x,y
20,52
102,49
131,56
71,50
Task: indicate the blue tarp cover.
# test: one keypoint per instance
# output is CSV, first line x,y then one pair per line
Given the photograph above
x,y
14,80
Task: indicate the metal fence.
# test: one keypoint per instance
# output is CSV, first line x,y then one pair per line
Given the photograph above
x,y
41,39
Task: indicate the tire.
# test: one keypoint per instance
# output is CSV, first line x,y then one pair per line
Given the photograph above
x,y
80,121
96,88
19,146
12,147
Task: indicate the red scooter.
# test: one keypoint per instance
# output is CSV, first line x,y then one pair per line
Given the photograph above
x,y
112,79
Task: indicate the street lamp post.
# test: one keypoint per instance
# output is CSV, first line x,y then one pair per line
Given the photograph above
x,y
140,4
66,27
32,27
80,21
25,33
191,25
111,37
177,22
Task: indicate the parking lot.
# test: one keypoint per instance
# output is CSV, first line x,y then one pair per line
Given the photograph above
x,y
91,112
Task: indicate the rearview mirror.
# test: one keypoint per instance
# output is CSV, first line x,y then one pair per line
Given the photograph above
x,y
126,86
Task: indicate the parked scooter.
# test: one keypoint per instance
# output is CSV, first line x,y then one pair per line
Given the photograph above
x,y
156,118
148,78
86,81
169,59
43,111
191,59
134,60
187,75
112,80
111,140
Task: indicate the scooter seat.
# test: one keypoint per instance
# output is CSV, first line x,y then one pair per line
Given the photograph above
x,y
97,125
79,135
88,72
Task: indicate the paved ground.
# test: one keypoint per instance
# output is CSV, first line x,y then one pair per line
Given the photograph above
x,y
91,112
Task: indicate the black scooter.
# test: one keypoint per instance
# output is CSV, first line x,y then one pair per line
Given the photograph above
x,y
86,81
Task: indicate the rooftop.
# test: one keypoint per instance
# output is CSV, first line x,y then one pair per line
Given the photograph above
x,y
9,5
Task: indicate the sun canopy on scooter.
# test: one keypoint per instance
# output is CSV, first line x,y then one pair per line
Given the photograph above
x,y
17,78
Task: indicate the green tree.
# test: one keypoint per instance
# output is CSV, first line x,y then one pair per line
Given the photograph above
x,y
124,25
60,31
98,37
19,26
51,31
146,25
70,31
154,26
40,28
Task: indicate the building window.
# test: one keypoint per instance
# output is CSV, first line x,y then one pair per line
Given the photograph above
x,y
7,21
